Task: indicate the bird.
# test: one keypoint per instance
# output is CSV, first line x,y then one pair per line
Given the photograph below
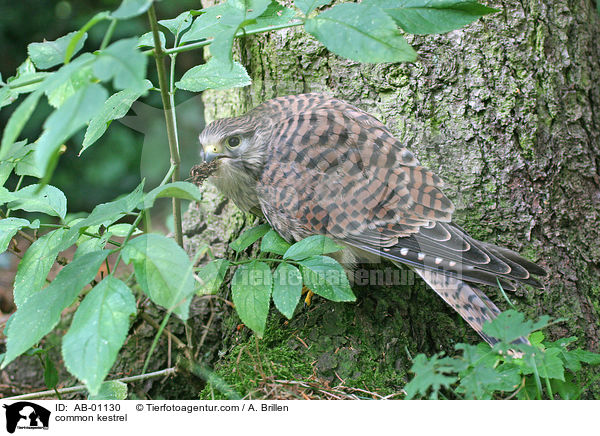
x,y
312,164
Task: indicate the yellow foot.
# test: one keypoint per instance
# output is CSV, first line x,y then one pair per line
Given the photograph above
x,y
309,295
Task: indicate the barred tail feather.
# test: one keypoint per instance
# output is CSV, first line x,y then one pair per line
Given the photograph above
x,y
469,301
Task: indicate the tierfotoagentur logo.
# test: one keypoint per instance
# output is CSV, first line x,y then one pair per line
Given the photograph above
x,y
26,415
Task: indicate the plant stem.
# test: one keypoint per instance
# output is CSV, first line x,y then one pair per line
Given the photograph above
x,y
200,44
108,34
169,110
80,388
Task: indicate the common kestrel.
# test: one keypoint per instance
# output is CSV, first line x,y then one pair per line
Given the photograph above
x,y
312,164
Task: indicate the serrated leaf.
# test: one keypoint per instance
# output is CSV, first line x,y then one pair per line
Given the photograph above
x,y
26,166
108,213
251,291
273,243
91,244
35,198
274,15
98,332
76,111
131,8
147,40
114,108
360,32
307,6
208,24
311,246
40,313
326,277
430,376
111,390
9,228
214,75
27,82
287,288
79,79
548,363
178,24
124,63
511,325
81,33
48,54
249,237
211,276
122,230
183,190
423,17
163,270
37,262
17,121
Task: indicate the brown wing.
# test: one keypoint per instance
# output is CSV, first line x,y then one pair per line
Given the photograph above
x,y
335,170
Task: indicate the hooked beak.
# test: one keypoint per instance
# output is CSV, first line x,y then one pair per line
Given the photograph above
x,y
210,153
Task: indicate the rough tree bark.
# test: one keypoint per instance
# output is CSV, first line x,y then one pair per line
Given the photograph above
x,y
507,112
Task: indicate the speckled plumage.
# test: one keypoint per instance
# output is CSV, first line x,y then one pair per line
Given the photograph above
x,y
311,164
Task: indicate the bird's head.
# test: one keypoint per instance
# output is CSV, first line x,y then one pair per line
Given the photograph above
x,y
236,143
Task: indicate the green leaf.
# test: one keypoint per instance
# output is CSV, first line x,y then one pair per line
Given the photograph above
x,y
81,33
178,24
311,246
273,243
360,32
587,357
37,262
122,230
211,276
98,332
114,108
251,292
548,363
222,22
184,190
147,40
26,166
208,24
17,121
123,62
274,15
35,198
326,277
48,54
511,325
214,75
430,375
131,8
307,6
50,373
9,228
26,82
111,390
423,17
90,245
40,313
287,288
163,270
108,213
568,389
76,111
7,96
249,237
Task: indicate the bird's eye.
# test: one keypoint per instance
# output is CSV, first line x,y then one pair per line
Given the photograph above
x,y
234,141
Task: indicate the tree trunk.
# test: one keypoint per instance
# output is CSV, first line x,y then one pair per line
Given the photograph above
x,y
507,112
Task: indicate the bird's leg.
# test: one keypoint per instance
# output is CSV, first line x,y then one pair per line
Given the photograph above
x,y
309,295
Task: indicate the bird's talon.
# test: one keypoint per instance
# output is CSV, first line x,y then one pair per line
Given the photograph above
x,y
308,296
